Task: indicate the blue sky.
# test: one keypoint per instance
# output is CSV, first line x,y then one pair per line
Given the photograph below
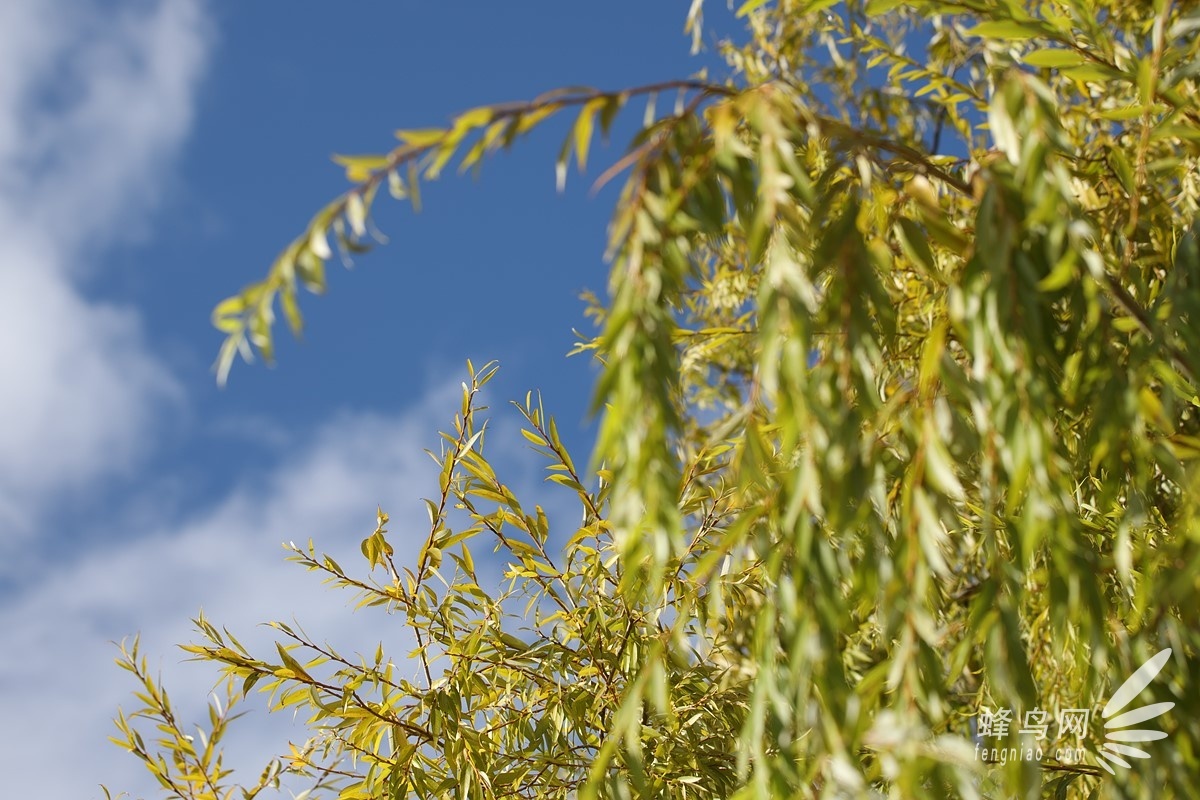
x,y
154,156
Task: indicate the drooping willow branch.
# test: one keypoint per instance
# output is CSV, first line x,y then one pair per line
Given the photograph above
x,y
247,318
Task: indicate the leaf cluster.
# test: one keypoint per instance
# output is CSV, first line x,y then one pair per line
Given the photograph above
x,y
899,421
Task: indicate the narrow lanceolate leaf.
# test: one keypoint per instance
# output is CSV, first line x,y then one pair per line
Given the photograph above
x,y
749,6
227,316
422,138
318,243
583,130
1056,58
356,214
1006,29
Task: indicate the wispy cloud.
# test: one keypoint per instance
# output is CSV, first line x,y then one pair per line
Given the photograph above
x,y
95,99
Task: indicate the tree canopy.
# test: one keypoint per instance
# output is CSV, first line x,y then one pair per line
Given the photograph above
x,y
900,419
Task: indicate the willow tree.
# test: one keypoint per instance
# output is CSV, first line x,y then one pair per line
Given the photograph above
x,y
900,360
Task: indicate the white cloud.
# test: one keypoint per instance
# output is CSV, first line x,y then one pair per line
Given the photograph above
x,y
96,113
58,679
95,98
79,387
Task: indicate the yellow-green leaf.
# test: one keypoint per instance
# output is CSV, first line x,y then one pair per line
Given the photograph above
x,y
1004,29
583,130
422,138
1054,58
749,6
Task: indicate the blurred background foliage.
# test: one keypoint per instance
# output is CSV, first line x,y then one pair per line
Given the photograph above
x,y
899,425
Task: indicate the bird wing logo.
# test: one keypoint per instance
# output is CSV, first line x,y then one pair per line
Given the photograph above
x,y
1119,731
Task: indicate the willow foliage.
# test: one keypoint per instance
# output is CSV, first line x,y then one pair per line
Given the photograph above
x,y
900,426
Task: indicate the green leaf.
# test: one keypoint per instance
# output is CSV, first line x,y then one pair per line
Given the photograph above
x,y
311,271
533,437
291,311
422,138
745,9
915,244
1054,58
1005,29
475,118
583,130
360,168
1094,73
356,214
527,122
227,316
319,244
939,469
612,105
